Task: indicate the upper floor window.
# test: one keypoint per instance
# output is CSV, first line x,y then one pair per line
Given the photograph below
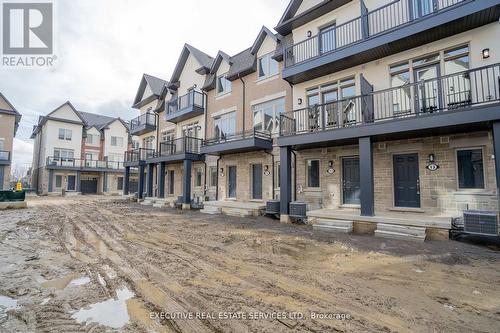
x,y
267,66
65,134
64,153
149,142
470,168
191,130
168,136
92,139
117,141
135,144
266,116
225,125
223,85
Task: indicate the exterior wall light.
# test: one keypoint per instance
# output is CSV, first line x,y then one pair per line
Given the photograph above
x,y
486,53
330,170
432,158
221,172
266,170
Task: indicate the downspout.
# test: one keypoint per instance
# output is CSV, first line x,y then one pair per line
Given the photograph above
x,y
157,121
244,100
205,186
294,175
205,101
38,166
272,157
217,185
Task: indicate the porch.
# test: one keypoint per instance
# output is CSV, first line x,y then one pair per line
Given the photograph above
x,y
234,208
406,226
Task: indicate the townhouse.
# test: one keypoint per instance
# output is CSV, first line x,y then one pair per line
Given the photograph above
x,y
78,152
9,122
364,115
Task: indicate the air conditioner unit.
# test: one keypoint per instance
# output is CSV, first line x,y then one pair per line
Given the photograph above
x,y
298,209
481,222
273,207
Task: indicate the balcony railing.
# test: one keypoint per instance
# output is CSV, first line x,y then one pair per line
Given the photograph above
x,y
454,92
182,145
138,155
383,19
83,163
144,120
4,155
192,98
265,135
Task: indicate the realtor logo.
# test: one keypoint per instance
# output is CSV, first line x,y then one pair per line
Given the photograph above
x,y
27,28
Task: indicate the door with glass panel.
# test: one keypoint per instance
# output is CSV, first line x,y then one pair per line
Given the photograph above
x,y
351,186
313,114
330,108
349,109
423,7
327,39
231,182
256,181
428,88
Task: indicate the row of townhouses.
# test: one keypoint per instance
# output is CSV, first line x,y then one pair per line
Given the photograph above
x,y
9,122
78,152
361,107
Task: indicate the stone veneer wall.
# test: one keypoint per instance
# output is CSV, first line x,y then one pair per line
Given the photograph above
x,y
439,189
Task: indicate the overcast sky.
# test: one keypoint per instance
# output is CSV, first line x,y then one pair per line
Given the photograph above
x,y
104,46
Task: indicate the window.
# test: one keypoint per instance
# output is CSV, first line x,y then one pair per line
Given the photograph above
x,y
213,176
92,139
266,116
135,144
199,176
192,130
168,136
313,173
119,184
267,66
225,125
457,87
65,134
171,179
63,153
117,141
470,168
149,142
223,85
400,76
58,181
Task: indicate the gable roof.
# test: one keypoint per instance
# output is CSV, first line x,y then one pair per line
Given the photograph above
x,y
204,60
291,20
264,31
68,103
156,84
95,120
12,111
218,60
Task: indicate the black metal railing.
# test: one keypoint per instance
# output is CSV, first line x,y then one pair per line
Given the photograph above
x,y
4,155
83,163
222,138
192,98
452,92
182,145
371,23
145,119
137,155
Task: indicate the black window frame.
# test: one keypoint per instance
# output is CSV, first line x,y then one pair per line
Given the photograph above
x,y
309,180
462,183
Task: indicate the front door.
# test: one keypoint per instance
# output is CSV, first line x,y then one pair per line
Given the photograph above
x,y
350,180
406,181
428,89
231,182
257,181
71,183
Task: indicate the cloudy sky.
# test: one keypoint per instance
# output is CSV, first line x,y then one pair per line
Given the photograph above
x,y
104,46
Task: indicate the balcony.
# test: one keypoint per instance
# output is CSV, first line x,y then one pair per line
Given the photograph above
x,y
4,157
238,143
185,148
135,157
185,107
462,101
143,124
395,27
82,164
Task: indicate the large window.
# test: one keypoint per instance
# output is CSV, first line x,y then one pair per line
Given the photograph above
x,y
267,66
58,181
213,176
92,139
199,177
266,116
192,130
313,173
401,98
119,184
457,87
225,125
64,153
149,142
168,136
65,134
223,85
470,168
117,141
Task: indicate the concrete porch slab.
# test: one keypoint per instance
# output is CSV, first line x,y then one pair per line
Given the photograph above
x,y
13,205
234,208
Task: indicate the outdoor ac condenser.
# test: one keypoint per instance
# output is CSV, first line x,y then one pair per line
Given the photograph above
x,y
481,222
273,207
298,209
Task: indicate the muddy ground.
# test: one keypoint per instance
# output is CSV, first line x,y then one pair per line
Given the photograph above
x,y
101,264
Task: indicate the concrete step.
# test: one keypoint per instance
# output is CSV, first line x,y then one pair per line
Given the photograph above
x,y
328,228
160,205
402,229
239,212
211,210
398,235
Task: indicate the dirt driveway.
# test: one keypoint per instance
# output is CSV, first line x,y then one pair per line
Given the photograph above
x,y
100,264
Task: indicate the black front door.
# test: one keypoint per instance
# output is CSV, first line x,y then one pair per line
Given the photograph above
x,y
231,180
350,180
257,181
71,183
406,181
